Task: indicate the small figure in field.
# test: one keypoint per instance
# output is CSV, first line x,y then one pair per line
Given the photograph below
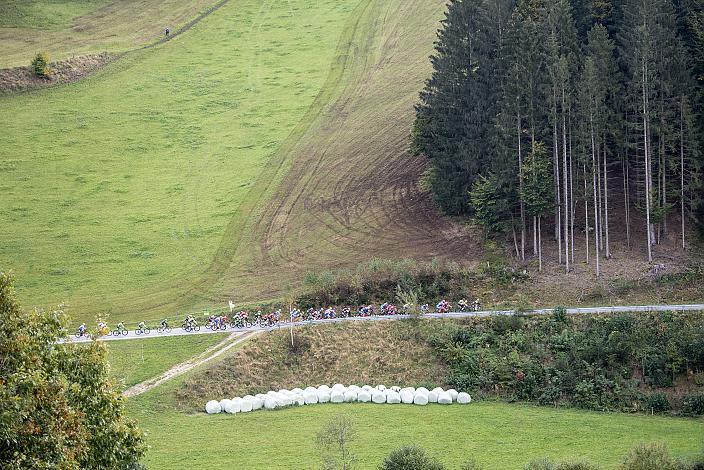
x,y
167,31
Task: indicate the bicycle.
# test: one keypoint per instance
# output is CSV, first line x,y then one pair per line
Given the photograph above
x,y
144,330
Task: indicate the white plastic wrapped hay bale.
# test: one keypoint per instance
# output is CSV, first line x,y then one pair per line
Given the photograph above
x,y
420,399
261,396
463,398
396,388
257,403
406,396
310,390
445,398
311,398
378,397
368,388
298,399
364,396
432,396
339,388
422,390
246,405
356,388
283,391
393,397
324,388
381,388
212,407
297,391
453,393
438,390
224,404
270,403
337,396
350,395
323,396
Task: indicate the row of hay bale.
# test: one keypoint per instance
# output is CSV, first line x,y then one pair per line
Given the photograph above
x,y
338,393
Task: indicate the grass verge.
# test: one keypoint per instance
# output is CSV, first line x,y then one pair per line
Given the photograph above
x,y
133,361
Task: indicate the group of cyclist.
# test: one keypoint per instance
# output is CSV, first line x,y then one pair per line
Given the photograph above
x,y
244,319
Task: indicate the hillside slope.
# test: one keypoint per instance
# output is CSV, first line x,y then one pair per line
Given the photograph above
x,y
70,27
349,189
315,170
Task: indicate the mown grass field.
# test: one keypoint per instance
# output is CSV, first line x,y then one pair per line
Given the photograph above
x,y
72,27
117,190
497,435
134,361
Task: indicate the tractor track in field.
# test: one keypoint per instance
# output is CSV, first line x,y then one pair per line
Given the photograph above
x,y
372,207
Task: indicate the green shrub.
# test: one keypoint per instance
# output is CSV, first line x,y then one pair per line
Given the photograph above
x,y
410,458
693,405
40,65
649,457
657,402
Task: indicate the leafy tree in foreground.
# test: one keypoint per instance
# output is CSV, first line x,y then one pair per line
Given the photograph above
x,y
58,408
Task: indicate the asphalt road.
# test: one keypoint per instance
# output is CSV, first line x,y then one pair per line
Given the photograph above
x,y
484,313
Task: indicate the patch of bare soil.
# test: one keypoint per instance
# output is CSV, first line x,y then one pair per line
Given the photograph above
x,y
20,79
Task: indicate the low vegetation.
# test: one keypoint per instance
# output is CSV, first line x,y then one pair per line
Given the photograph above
x,y
624,362
40,65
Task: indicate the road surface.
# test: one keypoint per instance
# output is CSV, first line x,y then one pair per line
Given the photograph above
x,y
484,313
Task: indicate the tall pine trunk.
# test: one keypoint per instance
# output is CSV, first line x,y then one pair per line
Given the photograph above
x,y
682,167
648,169
596,201
586,212
564,184
607,248
520,184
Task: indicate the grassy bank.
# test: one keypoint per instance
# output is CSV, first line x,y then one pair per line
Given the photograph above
x,y
135,361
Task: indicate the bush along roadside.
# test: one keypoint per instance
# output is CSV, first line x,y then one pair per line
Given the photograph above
x,y
651,363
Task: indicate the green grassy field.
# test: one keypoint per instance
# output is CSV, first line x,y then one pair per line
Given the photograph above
x,y
135,361
72,27
117,190
498,436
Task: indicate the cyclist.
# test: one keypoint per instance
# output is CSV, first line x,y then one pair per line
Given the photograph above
x,y
142,326
164,323
121,327
463,305
475,305
82,329
295,315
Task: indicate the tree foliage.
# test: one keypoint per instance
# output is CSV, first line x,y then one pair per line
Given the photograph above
x,y
58,408
611,88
